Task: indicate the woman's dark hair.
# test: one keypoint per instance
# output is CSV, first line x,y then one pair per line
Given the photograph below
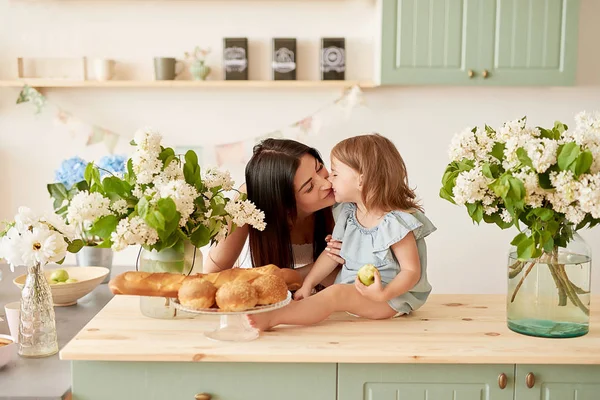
x,y
270,184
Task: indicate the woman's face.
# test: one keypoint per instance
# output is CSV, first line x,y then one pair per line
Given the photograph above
x,y
313,190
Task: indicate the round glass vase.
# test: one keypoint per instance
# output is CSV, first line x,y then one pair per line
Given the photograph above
x,y
550,296
184,259
37,325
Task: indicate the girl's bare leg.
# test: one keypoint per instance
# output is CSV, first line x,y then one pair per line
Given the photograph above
x,y
318,307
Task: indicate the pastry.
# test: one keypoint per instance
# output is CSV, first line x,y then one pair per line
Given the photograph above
x,y
236,296
270,289
197,293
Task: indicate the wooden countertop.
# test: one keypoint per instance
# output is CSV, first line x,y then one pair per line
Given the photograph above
x,y
456,329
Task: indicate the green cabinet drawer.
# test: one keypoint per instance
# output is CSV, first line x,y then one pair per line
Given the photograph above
x,y
182,381
557,382
419,381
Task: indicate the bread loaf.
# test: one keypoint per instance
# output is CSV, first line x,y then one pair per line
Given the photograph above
x,y
164,284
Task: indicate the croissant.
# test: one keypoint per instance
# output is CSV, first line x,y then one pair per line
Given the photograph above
x,y
164,284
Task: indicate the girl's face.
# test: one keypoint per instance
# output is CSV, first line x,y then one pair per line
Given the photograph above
x,y
313,190
346,182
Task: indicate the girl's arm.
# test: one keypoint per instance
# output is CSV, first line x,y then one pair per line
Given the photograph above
x,y
224,254
320,270
407,254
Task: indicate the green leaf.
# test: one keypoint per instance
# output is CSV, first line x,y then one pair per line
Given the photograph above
x,y
132,142
191,157
544,180
549,133
498,151
517,189
59,193
501,186
545,214
567,155
201,236
104,226
167,207
518,239
116,188
583,163
165,154
489,129
75,246
524,158
87,174
487,171
446,196
475,211
547,241
156,220
526,249
142,207
560,127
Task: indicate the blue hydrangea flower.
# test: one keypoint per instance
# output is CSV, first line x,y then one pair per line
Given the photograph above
x,y
117,164
71,171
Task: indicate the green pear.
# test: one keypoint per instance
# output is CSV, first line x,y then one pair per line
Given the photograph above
x,y
366,274
59,275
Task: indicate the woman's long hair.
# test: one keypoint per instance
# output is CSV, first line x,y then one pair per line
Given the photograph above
x,y
270,184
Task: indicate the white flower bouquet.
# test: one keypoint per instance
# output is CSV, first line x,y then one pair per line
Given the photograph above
x,y
161,202
547,180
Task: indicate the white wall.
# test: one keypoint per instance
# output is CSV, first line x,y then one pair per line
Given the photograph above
x,y
421,120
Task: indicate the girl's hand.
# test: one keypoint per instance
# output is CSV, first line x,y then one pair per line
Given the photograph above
x,y
333,249
372,292
303,292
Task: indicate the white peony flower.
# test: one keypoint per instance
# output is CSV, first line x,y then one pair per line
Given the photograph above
x,y
58,223
26,219
42,246
10,248
85,208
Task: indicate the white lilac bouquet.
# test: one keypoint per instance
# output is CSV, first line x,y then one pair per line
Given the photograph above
x,y
32,240
547,180
73,200
162,201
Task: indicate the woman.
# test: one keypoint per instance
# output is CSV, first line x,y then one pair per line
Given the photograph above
x,y
288,182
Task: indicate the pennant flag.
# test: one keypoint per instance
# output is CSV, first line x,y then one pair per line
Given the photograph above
x,y
231,153
29,94
110,140
96,135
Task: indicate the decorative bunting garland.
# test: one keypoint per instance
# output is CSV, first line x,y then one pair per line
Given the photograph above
x,y
227,153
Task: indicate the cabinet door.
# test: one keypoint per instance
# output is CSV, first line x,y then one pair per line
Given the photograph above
x,y
421,381
183,380
534,42
558,382
433,41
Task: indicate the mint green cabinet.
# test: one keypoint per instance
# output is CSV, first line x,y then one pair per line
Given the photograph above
x,y
555,382
479,42
184,380
430,381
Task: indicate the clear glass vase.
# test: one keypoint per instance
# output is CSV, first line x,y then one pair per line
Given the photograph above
x,y
550,296
185,259
37,326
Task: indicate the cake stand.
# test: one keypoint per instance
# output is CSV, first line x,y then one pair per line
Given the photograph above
x,y
233,326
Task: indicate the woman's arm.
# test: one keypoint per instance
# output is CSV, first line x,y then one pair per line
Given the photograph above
x,y
224,254
407,254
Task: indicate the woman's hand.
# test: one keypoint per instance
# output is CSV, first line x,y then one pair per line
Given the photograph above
x,y
372,292
303,292
333,249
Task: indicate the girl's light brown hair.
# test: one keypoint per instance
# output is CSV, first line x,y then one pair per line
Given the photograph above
x,y
385,182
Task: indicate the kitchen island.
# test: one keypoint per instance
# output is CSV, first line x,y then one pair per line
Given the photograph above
x,y
456,345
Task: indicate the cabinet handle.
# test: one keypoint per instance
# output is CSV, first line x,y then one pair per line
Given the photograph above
x,y
530,380
502,380
202,396
470,73
485,74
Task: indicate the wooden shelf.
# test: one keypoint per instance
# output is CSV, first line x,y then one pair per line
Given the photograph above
x,y
59,83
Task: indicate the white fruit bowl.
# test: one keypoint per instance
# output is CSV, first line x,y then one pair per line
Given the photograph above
x,y
67,294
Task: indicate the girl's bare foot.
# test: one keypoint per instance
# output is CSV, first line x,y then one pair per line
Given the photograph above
x,y
262,322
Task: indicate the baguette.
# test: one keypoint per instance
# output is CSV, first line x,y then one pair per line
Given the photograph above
x,y
164,284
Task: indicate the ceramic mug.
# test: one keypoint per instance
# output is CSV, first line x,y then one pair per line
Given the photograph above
x,y
167,68
104,69
13,312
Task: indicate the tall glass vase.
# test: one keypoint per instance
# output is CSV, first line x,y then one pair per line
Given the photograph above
x,y
550,296
37,326
184,259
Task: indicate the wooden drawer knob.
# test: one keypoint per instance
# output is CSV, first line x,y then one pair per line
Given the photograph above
x,y
485,74
202,396
502,381
530,380
470,73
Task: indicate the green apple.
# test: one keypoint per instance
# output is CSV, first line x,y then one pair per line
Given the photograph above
x,y
59,275
366,274
71,280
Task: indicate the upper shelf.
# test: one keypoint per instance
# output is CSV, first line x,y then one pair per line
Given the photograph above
x,y
60,83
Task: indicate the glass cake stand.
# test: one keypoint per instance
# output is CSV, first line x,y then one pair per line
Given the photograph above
x,y
234,326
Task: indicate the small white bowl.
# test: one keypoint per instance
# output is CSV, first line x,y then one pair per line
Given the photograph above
x,y
67,294
8,352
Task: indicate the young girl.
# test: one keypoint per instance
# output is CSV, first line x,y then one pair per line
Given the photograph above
x,y
380,223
